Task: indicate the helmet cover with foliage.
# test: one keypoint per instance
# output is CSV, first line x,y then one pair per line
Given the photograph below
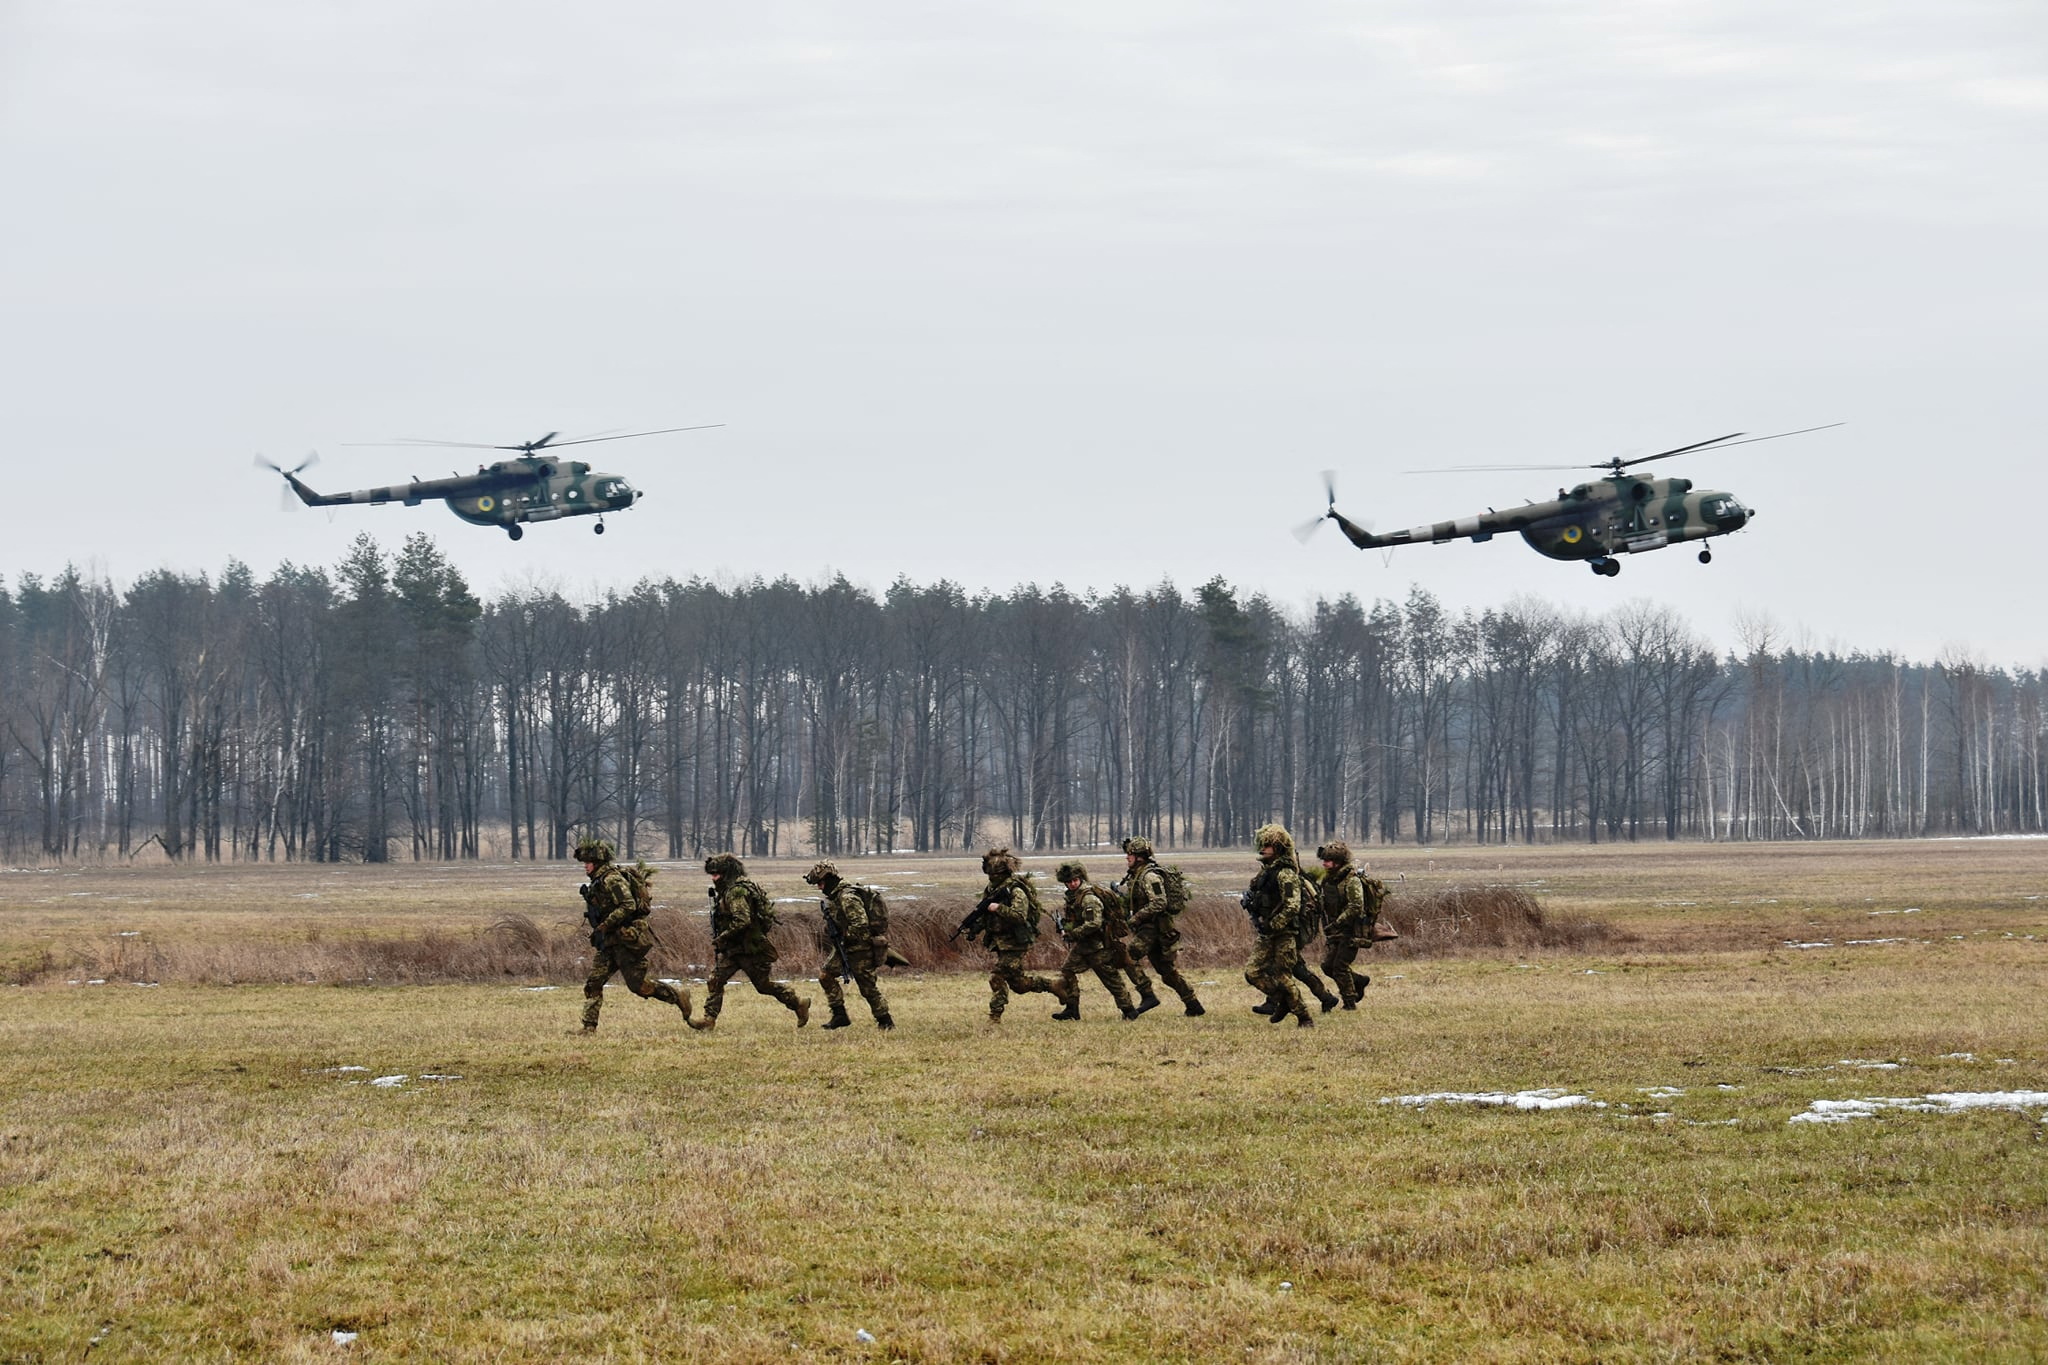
x,y
724,865
1137,847
594,851
822,872
1071,872
1274,836
1000,862
1336,851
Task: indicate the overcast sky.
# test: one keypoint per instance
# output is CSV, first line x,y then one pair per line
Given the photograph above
x,y
1082,292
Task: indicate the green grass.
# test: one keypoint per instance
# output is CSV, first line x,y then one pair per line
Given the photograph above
x,y
185,1175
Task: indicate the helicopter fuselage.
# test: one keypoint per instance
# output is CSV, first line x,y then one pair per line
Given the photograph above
x,y
504,494
1620,514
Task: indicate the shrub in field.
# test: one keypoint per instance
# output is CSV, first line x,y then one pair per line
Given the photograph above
x,y
1466,919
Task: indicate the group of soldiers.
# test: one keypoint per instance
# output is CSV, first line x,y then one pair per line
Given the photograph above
x,y
1109,931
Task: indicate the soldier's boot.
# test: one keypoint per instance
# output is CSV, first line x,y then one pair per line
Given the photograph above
x,y
1129,1012
840,1018
1147,1001
586,1028
704,1025
882,1021
1072,1010
1329,1002
683,1004
803,1010
1264,1006
1303,1019
1194,1007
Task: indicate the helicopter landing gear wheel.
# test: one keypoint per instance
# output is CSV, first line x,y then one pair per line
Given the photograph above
x,y
1706,556
598,529
515,530
1606,568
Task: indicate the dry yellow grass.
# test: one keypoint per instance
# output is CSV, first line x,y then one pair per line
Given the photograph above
x,y
186,1173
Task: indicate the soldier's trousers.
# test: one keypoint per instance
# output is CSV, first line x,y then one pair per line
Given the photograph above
x,y
724,969
863,968
1161,943
632,967
1271,971
1339,953
1100,959
1123,960
1303,973
1009,975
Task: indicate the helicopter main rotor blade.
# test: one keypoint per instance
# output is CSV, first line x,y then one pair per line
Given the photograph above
x,y
1724,442
592,440
547,441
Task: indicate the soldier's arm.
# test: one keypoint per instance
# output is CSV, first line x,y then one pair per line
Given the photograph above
x,y
1288,912
1353,912
1088,920
739,913
853,916
1004,903
1151,889
615,898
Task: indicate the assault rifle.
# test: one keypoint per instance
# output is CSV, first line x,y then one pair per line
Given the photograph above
x,y
976,923
1252,903
592,916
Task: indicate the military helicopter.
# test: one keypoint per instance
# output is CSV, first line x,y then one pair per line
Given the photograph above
x,y
532,486
1616,515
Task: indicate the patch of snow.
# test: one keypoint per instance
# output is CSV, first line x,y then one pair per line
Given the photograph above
x,y
1867,942
389,1082
539,988
440,1076
1822,944
1946,1102
1521,1099
1868,1064
129,933
342,1338
1660,1092
1958,1057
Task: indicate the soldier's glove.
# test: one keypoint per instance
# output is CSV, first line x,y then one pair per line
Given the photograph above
x,y
596,939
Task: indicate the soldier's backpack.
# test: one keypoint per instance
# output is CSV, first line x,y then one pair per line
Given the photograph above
x,y
1377,929
640,880
875,907
1176,883
765,918
1116,911
1037,911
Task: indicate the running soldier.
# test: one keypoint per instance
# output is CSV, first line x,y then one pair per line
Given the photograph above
x,y
1351,912
741,917
1009,926
1155,928
851,944
1274,902
1085,928
620,938
1305,930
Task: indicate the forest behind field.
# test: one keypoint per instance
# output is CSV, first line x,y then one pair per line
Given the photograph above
x,y
380,709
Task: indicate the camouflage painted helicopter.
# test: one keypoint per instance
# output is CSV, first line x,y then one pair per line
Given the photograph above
x,y
1619,514
532,486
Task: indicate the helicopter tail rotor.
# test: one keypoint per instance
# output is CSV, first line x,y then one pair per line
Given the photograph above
x,y
291,477
1309,528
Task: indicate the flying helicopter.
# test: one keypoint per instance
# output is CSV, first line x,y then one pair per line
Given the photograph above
x,y
1619,514
531,486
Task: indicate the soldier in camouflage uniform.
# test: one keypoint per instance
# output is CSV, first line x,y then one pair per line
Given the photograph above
x,y
741,917
1274,902
1010,902
1351,908
1085,928
1305,930
850,944
1153,929
620,938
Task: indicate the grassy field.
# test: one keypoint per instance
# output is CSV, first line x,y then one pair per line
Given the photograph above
x,y
197,1171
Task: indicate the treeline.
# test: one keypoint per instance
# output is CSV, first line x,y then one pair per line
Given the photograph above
x,y
382,710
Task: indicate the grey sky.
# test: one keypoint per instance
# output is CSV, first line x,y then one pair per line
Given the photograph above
x,y
1078,292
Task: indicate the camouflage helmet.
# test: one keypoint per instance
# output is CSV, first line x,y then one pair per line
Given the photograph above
x,y
1137,847
594,851
1336,851
724,865
1071,872
822,872
999,861
1274,836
